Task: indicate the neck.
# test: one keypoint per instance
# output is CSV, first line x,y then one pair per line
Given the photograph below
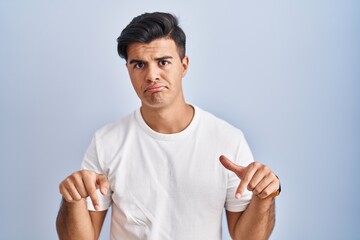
x,y
168,121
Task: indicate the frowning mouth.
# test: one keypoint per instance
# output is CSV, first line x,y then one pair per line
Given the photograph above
x,y
155,88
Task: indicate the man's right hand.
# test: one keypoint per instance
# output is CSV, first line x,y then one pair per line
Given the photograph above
x,y
82,184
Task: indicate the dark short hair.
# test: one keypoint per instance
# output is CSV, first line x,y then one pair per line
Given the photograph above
x,y
151,26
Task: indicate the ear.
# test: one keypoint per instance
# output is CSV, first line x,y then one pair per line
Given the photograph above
x,y
185,64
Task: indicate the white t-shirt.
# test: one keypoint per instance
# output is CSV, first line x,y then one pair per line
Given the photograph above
x,y
168,186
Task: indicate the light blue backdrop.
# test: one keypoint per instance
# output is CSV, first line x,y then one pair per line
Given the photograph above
x,y
285,72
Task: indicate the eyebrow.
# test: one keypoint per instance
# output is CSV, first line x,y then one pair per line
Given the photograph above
x,y
132,61
163,58
135,61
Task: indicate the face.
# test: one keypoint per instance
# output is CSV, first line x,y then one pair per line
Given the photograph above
x,y
156,72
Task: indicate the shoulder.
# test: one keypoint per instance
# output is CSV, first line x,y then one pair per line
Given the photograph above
x,y
216,124
224,138
116,129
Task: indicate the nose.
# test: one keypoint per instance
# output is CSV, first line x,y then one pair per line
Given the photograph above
x,y
152,73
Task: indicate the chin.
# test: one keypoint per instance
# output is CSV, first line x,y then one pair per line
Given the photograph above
x,y
154,104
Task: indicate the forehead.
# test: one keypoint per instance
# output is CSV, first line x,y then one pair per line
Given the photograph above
x,y
155,49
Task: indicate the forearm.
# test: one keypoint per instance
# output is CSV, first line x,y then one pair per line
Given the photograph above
x,y
74,222
257,221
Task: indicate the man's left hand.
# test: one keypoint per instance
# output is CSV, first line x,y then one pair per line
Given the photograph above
x,y
256,177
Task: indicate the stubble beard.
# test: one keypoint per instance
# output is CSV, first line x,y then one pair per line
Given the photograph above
x,y
156,100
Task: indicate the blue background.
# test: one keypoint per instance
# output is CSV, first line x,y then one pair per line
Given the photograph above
x,y
286,72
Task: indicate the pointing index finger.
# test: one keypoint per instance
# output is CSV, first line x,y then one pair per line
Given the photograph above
x,y
90,186
230,165
102,183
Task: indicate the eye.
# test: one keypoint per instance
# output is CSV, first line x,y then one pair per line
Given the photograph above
x,y
164,62
139,65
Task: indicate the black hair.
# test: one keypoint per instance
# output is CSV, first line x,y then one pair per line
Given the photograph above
x,y
151,26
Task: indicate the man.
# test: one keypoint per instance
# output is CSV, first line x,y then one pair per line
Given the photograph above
x,y
164,168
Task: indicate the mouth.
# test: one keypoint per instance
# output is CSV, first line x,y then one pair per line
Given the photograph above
x,y
155,88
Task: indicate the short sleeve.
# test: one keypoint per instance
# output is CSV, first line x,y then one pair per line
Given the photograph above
x,y
91,162
244,158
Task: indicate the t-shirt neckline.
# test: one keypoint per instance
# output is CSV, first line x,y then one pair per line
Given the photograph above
x,y
168,137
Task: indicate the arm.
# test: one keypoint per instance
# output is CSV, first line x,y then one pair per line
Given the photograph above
x,y
257,221
74,221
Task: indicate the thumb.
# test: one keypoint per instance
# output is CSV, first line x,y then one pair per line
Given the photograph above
x,y
102,183
229,165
